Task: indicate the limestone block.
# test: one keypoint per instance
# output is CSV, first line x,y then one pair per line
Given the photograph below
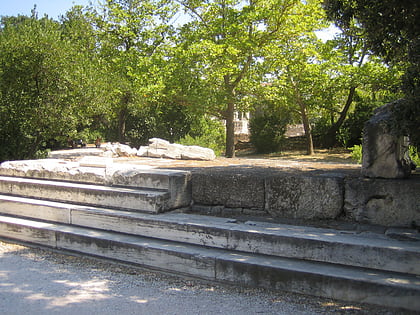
x,y
383,202
230,190
160,148
197,153
174,181
304,197
384,154
54,169
94,161
119,149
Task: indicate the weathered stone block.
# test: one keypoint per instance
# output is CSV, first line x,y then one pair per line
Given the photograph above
x,y
304,197
231,190
54,169
160,148
119,149
384,154
383,202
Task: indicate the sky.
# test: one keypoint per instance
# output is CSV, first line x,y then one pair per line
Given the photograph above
x,y
53,8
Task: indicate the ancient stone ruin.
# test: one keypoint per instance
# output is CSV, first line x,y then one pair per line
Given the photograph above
x,y
385,155
164,149
157,148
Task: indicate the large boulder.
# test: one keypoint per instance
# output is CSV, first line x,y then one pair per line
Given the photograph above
x,y
385,155
160,148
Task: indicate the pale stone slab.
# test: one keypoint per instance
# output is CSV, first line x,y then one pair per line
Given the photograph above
x,y
367,250
115,197
93,161
23,230
36,209
160,148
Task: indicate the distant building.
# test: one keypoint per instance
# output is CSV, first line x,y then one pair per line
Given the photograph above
x,y
242,132
241,123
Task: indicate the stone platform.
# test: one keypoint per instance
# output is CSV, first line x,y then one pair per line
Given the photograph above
x,y
149,212
291,190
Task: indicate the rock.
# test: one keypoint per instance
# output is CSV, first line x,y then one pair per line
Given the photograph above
x,y
160,148
384,154
118,150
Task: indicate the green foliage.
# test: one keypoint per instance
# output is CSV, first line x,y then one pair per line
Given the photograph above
x,y
356,153
208,133
122,71
164,120
228,44
132,36
89,136
39,91
351,132
392,31
406,119
267,132
414,155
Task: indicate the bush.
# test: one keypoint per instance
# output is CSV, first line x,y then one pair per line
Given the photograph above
x,y
414,155
208,133
356,153
89,136
267,132
351,132
161,120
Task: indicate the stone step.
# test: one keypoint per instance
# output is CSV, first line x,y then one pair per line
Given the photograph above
x,y
314,278
101,171
111,174
152,201
364,249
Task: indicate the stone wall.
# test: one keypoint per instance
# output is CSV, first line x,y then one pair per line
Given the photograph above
x,y
383,202
318,196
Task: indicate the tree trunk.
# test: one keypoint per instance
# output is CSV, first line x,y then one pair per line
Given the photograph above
x,y
122,118
305,119
121,125
230,130
307,128
123,115
229,115
330,138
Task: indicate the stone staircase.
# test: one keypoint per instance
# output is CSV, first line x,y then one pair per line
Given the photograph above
x,y
110,211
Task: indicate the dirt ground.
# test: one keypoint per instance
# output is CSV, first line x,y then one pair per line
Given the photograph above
x,y
336,160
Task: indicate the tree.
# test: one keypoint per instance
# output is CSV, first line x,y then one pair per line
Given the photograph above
x,y
131,36
88,68
392,30
352,45
229,39
41,97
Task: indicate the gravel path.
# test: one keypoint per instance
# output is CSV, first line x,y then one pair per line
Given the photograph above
x,y
36,281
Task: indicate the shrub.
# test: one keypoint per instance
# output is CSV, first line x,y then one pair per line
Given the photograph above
x,y
351,132
267,132
414,155
208,133
356,153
